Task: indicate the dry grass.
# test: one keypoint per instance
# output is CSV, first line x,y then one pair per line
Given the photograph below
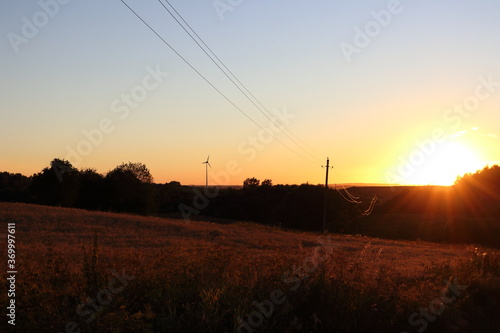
x,y
203,277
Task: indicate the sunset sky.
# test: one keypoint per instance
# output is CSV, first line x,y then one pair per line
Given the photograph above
x,y
391,91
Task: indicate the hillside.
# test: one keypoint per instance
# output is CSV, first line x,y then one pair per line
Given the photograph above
x,y
239,277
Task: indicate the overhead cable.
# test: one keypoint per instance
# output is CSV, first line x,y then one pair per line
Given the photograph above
x,y
208,81
230,75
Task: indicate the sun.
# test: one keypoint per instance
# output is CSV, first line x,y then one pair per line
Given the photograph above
x,y
449,160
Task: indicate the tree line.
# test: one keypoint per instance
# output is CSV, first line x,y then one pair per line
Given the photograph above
x,y
473,195
130,188
469,211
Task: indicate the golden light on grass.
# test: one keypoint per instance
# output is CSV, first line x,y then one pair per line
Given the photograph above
x,y
205,277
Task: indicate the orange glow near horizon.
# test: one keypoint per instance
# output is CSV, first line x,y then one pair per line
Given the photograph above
x,y
452,159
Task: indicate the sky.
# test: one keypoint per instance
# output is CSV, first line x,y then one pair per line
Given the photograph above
x,y
392,91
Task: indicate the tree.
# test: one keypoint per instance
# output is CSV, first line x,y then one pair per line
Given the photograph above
x,y
267,182
479,193
57,185
129,188
92,188
138,170
251,183
14,187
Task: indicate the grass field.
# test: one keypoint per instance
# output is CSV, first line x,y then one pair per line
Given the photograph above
x,y
83,271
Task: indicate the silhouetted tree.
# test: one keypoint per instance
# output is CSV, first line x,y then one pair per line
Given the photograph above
x,y
138,170
91,194
251,183
130,188
267,182
14,187
170,195
478,194
58,184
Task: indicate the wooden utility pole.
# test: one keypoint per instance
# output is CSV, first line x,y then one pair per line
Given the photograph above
x,y
325,205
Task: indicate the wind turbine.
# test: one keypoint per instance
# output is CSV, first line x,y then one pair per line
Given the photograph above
x,y
207,164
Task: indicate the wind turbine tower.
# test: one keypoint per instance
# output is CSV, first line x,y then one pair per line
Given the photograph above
x,y
207,164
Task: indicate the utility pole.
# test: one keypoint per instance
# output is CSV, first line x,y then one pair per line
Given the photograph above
x,y
325,205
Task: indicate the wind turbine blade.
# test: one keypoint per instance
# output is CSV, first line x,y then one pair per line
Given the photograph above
x,y
209,164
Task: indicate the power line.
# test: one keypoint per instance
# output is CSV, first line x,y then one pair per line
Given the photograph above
x,y
232,74
353,197
232,77
356,200
348,199
369,210
207,81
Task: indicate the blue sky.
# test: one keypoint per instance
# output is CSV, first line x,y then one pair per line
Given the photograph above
x,y
367,111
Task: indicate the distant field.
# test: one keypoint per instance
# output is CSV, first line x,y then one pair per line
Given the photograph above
x,y
105,272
